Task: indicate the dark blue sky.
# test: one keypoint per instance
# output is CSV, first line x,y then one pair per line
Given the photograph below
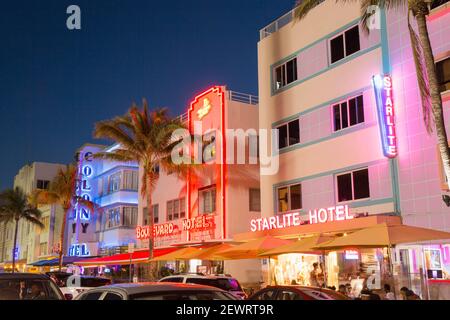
x,y
55,83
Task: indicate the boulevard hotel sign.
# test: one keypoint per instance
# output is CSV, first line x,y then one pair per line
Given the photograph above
x,y
196,224
322,215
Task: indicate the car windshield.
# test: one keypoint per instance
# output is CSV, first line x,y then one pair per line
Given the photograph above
x,y
182,295
227,284
29,289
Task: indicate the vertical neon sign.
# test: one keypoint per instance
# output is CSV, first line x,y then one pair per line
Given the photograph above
x,y
386,113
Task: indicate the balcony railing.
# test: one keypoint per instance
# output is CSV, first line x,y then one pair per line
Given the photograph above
x,y
278,24
242,97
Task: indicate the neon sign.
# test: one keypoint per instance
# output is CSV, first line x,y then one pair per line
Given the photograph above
x,y
203,111
79,250
338,213
293,219
351,255
199,223
86,172
159,230
386,115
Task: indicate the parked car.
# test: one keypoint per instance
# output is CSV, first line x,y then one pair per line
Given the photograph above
x,y
226,283
295,292
155,291
75,284
29,286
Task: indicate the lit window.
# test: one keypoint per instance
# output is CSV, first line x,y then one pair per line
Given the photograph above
x,y
344,44
289,198
353,185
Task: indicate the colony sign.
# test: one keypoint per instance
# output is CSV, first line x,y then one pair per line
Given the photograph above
x,y
79,250
386,115
322,215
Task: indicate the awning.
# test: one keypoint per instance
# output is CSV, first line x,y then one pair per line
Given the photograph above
x,y
301,246
254,248
384,235
55,261
124,258
179,254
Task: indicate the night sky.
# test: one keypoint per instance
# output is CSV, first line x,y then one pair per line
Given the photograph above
x,y
56,83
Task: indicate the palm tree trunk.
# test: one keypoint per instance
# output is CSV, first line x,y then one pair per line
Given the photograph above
x,y
61,238
436,99
4,241
151,223
14,246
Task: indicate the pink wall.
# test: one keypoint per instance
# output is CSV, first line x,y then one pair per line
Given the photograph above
x,y
419,179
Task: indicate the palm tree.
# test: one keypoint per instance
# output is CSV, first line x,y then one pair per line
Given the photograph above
x,y
62,191
15,206
423,59
146,138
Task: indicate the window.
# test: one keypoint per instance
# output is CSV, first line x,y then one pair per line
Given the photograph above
x,y
290,198
353,185
208,201
173,279
438,3
155,209
348,113
113,218
288,295
286,74
43,249
114,182
130,216
112,296
92,296
176,209
45,221
43,184
344,44
443,74
289,134
130,180
255,200
268,294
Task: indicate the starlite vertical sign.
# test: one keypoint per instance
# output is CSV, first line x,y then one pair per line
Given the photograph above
x,y
386,113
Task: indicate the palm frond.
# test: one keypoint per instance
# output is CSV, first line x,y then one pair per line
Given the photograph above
x,y
303,7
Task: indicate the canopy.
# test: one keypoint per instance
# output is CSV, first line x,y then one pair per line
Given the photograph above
x,y
253,248
55,261
305,245
384,235
211,253
123,258
180,254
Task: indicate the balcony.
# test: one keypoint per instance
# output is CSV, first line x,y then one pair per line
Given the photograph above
x,y
278,24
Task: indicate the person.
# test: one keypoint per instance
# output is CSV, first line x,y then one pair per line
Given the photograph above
x,y
343,289
36,292
313,275
408,294
388,295
293,282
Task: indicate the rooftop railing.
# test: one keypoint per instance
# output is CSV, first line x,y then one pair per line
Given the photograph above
x,y
233,96
242,97
278,24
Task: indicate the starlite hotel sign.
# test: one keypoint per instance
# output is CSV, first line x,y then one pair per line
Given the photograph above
x,y
386,113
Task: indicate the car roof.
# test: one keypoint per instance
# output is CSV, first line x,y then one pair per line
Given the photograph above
x,y
147,287
202,276
23,276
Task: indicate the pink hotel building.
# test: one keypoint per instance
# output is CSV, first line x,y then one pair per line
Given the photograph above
x,y
325,85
